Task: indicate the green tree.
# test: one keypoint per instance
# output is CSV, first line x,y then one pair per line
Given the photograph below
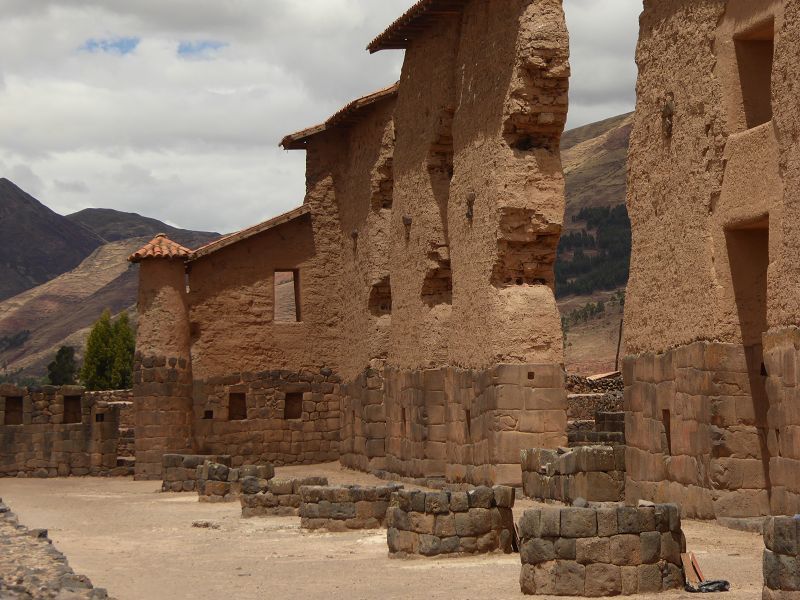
x,y
98,362
108,363
123,346
62,370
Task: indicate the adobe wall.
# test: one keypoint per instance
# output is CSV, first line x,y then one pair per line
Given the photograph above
x,y
44,445
162,368
238,282
710,305
471,252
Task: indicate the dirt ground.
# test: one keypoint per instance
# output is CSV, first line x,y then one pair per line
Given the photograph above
x,y
138,543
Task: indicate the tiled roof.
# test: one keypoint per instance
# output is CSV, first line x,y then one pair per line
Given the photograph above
x,y
343,117
244,234
160,247
415,20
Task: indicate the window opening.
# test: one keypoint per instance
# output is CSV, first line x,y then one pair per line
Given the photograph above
x,y
72,409
237,406
293,406
287,296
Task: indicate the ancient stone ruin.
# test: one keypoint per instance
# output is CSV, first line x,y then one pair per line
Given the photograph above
x,y
711,312
403,318
451,523
603,550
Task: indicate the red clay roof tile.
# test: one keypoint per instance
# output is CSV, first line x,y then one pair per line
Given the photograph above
x,y
160,247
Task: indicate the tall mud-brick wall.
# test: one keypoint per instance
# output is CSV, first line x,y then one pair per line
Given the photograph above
x,y
712,311
474,368
162,370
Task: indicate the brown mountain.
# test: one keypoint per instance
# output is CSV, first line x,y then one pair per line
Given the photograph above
x,y
595,159
38,244
85,255
114,225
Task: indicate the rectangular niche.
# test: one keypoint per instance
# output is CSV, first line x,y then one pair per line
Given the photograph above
x,y
72,409
13,410
287,296
237,406
293,406
755,50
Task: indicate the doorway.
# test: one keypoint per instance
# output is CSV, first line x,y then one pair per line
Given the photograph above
x,y
748,256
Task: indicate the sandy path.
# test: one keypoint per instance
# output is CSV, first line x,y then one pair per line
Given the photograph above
x,y
141,545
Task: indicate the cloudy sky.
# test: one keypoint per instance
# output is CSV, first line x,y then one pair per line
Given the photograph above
x,y
174,108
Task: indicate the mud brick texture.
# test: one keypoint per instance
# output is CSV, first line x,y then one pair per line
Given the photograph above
x,y
181,470
53,431
274,497
450,523
31,567
594,473
603,550
782,558
343,508
220,483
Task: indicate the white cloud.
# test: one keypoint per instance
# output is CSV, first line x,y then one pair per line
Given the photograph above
x,y
91,119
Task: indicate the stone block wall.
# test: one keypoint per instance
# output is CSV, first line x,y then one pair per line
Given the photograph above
x,y
694,433
605,550
594,473
269,432
274,497
782,558
221,483
363,431
607,428
343,508
180,470
783,418
162,387
441,523
44,435
469,426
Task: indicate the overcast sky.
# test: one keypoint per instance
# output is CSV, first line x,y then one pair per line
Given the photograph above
x,y
174,108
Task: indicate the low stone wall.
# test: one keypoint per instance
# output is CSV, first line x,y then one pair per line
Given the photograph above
x,y
782,558
274,497
342,508
438,523
594,473
267,428
180,471
31,567
221,483
601,551
53,431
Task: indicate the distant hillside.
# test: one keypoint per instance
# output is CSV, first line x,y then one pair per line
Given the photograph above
x,y
114,225
34,324
594,252
595,159
37,243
